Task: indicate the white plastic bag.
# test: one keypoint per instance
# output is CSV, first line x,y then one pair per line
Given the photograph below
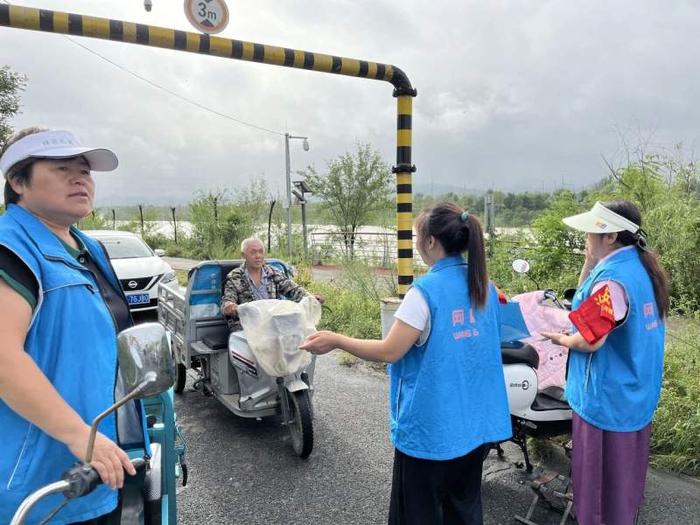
x,y
275,329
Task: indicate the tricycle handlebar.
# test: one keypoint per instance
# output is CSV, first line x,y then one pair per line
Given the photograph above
x,y
75,482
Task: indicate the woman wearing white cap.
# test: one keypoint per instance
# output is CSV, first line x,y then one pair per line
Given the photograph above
x,y
616,363
61,307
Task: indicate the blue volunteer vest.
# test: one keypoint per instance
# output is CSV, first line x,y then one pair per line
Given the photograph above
x,y
72,339
617,388
448,396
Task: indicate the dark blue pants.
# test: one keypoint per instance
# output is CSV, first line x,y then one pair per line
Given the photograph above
x,y
432,492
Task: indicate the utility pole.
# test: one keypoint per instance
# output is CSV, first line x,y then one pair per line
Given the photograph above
x,y
141,214
303,226
172,210
288,184
489,217
269,224
301,188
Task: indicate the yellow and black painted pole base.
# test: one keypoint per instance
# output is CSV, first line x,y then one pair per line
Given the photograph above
x,y
107,29
404,188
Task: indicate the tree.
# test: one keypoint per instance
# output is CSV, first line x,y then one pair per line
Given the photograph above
x,y
558,251
355,187
11,84
255,199
218,226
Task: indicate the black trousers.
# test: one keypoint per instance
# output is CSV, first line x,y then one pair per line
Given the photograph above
x,y
427,492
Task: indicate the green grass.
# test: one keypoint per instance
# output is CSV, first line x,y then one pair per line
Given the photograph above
x,y
675,439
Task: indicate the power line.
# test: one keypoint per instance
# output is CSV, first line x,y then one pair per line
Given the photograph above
x,y
168,91
172,93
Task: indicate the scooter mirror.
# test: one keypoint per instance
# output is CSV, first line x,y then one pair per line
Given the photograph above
x,y
521,266
145,360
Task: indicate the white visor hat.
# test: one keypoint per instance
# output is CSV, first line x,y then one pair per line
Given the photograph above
x,y
56,145
600,220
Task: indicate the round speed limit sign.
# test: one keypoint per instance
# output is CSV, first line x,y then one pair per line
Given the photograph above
x,y
209,16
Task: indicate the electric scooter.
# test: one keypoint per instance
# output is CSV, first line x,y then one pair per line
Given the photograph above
x,y
535,369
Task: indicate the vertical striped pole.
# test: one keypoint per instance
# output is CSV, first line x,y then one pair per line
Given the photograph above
x,y
404,191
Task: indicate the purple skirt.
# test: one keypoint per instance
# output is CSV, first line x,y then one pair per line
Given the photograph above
x,y
608,471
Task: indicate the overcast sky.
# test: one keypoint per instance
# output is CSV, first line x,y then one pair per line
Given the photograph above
x,y
512,95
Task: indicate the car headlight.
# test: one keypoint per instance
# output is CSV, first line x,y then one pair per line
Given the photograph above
x,y
169,277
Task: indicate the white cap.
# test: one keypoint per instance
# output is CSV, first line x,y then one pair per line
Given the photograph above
x,y
56,145
600,220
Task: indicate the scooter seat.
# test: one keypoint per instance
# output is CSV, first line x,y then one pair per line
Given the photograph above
x,y
524,354
544,402
555,392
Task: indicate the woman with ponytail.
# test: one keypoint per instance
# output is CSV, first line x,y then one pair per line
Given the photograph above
x,y
447,391
615,363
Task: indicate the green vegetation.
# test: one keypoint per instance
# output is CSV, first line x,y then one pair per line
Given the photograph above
x,y
668,194
352,301
513,210
676,435
11,83
354,188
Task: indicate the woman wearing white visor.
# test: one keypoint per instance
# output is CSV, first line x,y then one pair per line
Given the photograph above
x,y
61,307
616,363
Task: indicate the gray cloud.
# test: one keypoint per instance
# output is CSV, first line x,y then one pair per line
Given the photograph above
x,y
512,95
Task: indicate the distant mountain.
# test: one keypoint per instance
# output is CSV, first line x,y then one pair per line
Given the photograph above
x,y
428,188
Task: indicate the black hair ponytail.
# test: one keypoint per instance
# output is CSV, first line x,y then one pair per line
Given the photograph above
x,y
458,231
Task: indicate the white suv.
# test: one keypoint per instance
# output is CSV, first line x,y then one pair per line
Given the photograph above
x,y
138,268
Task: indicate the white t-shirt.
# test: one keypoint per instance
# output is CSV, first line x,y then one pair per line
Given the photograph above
x,y
414,311
617,292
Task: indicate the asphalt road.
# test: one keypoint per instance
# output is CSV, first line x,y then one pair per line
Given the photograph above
x,y
244,471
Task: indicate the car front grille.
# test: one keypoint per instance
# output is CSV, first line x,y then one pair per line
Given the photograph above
x,y
142,283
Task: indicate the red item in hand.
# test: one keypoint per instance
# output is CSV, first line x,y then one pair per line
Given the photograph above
x,y
595,317
502,298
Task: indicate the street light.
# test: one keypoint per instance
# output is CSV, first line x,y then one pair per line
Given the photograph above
x,y
305,145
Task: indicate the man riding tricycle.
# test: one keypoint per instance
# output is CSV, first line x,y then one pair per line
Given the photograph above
x,y
231,328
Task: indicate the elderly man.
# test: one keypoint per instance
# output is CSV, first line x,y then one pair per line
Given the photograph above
x,y
255,280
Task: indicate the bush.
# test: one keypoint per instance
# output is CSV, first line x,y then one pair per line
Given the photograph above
x,y
352,301
675,440
349,312
505,249
556,253
218,227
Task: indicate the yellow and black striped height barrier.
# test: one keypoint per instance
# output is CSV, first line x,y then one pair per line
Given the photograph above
x,y
404,190
89,26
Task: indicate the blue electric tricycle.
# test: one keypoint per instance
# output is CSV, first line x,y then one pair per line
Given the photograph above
x,y
148,369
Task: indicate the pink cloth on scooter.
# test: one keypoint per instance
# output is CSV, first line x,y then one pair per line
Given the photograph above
x,y
543,318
